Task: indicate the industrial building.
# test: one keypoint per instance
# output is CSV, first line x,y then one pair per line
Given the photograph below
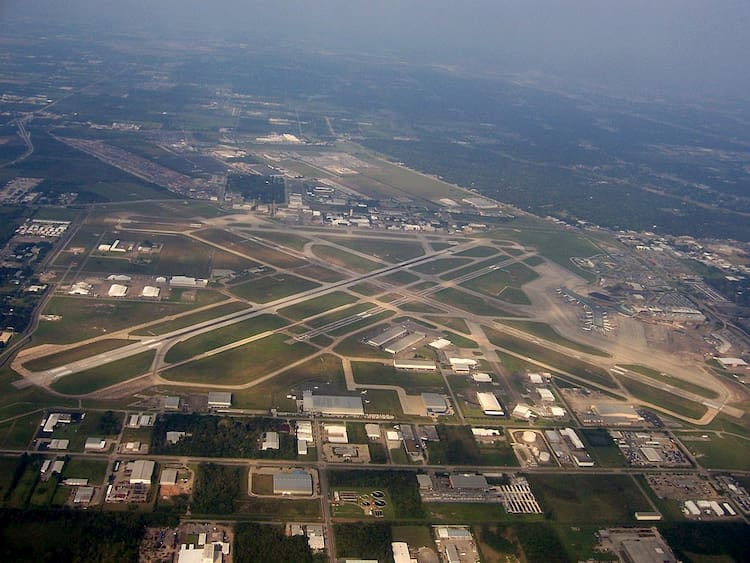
x,y
468,481
435,403
168,476
150,291
419,365
95,444
141,471
385,337
219,400
295,483
404,343
462,365
336,433
117,290
172,403
184,281
732,363
332,405
489,404
400,552
546,395
482,378
270,441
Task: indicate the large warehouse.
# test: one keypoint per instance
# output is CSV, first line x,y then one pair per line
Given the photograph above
x,y
386,336
490,405
219,400
295,483
141,472
404,343
333,405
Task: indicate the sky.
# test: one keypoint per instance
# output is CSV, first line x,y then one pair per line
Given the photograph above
x,y
665,46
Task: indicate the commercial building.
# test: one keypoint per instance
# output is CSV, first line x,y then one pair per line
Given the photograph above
x,y
332,405
419,365
95,444
141,471
117,290
435,403
489,404
468,481
172,403
168,476
386,336
270,441
404,343
219,400
294,483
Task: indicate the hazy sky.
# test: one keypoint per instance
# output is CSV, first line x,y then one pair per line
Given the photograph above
x,y
668,45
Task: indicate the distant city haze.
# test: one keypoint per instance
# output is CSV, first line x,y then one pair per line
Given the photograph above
x,y
662,48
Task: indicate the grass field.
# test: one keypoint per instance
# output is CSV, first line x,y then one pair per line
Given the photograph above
x,y
383,401
191,319
353,346
595,499
97,378
271,288
325,371
8,466
84,318
720,452
75,354
556,245
402,277
662,398
345,259
555,359
434,267
201,343
251,249
278,509
455,323
470,303
295,242
460,341
543,330
479,513
81,468
242,364
77,433
393,251
412,382
319,273
365,288
17,434
362,323
674,381
479,252
317,305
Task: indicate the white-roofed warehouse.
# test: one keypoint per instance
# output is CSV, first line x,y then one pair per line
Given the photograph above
x,y
332,404
294,483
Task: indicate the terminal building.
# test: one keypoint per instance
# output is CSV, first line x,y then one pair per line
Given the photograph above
x,y
332,405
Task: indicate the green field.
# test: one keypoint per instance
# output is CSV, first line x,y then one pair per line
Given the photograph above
x,y
190,319
470,513
325,371
479,252
470,303
242,364
393,251
556,245
75,354
496,282
555,359
295,242
16,434
345,259
370,373
186,349
543,330
455,323
460,341
439,266
401,277
319,273
84,318
383,401
82,468
271,288
90,426
596,499
278,509
662,399
250,248
720,452
674,381
317,305
93,379
353,346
